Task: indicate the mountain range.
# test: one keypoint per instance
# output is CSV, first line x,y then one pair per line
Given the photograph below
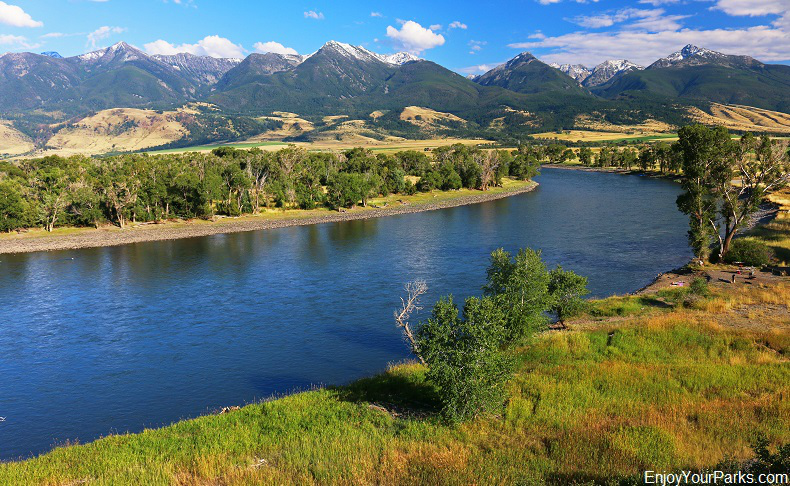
x,y
521,95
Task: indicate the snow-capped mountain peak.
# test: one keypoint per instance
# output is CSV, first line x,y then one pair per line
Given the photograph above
x,y
362,54
577,71
694,55
120,50
400,58
353,52
605,71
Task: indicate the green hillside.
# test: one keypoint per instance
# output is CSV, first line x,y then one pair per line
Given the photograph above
x,y
766,86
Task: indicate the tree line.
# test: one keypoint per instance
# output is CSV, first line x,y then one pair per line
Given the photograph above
x,y
58,191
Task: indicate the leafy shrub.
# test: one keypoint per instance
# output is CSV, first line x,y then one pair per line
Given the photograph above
x,y
465,359
749,252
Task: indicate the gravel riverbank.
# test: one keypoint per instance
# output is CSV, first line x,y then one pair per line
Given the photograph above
x,y
172,231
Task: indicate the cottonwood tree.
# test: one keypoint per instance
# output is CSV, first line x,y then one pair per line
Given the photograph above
x,y
585,156
519,284
52,185
761,166
489,162
703,152
566,291
287,160
465,356
119,181
725,182
259,167
14,209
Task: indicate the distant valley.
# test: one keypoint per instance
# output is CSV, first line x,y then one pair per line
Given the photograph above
x,y
121,99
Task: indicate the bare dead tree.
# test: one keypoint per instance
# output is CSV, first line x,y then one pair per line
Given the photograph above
x,y
409,305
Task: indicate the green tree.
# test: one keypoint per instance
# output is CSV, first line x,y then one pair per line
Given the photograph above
x,y
119,181
345,190
519,285
762,166
566,292
465,357
524,166
52,187
14,209
585,156
450,178
703,152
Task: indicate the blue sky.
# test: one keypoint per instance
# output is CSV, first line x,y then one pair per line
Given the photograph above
x,y
468,37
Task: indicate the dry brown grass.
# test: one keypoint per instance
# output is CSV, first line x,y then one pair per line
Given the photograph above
x,y
12,141
292,126
746,118
117,130
427,119
595,122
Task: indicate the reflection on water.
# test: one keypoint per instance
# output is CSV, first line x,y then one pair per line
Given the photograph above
x,y
115,339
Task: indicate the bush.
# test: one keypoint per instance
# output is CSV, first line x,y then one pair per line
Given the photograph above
x,y
464,355
749,252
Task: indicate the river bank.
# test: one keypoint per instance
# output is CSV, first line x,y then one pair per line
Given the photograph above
x,y
76,238
613,170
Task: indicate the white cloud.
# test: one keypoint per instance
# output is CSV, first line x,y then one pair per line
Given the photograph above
x,y
414,38
16,17
376,14
312,14
212,45
274,47
433,27
753,8
6,39
652,20
476,46
102,33
765,43
478,69
458,25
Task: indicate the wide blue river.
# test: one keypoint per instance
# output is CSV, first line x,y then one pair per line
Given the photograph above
x,y
111,340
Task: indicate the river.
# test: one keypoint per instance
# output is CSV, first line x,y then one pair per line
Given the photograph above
x,y
110,340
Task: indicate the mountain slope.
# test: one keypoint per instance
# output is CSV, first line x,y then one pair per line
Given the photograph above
x,y
526,74
323,83
31,81
700,74
200,70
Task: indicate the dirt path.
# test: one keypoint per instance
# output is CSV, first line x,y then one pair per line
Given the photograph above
x,y
172,231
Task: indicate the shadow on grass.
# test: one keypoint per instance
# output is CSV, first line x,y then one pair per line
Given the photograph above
x,y
782,254
649,301
402,394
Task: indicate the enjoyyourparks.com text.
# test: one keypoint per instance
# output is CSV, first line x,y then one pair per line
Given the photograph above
x,y
715,477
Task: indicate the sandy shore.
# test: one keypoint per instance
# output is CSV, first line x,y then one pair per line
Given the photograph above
x,y
173,231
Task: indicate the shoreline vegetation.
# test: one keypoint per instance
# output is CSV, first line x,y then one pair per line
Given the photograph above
x,y
77,238
254,188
